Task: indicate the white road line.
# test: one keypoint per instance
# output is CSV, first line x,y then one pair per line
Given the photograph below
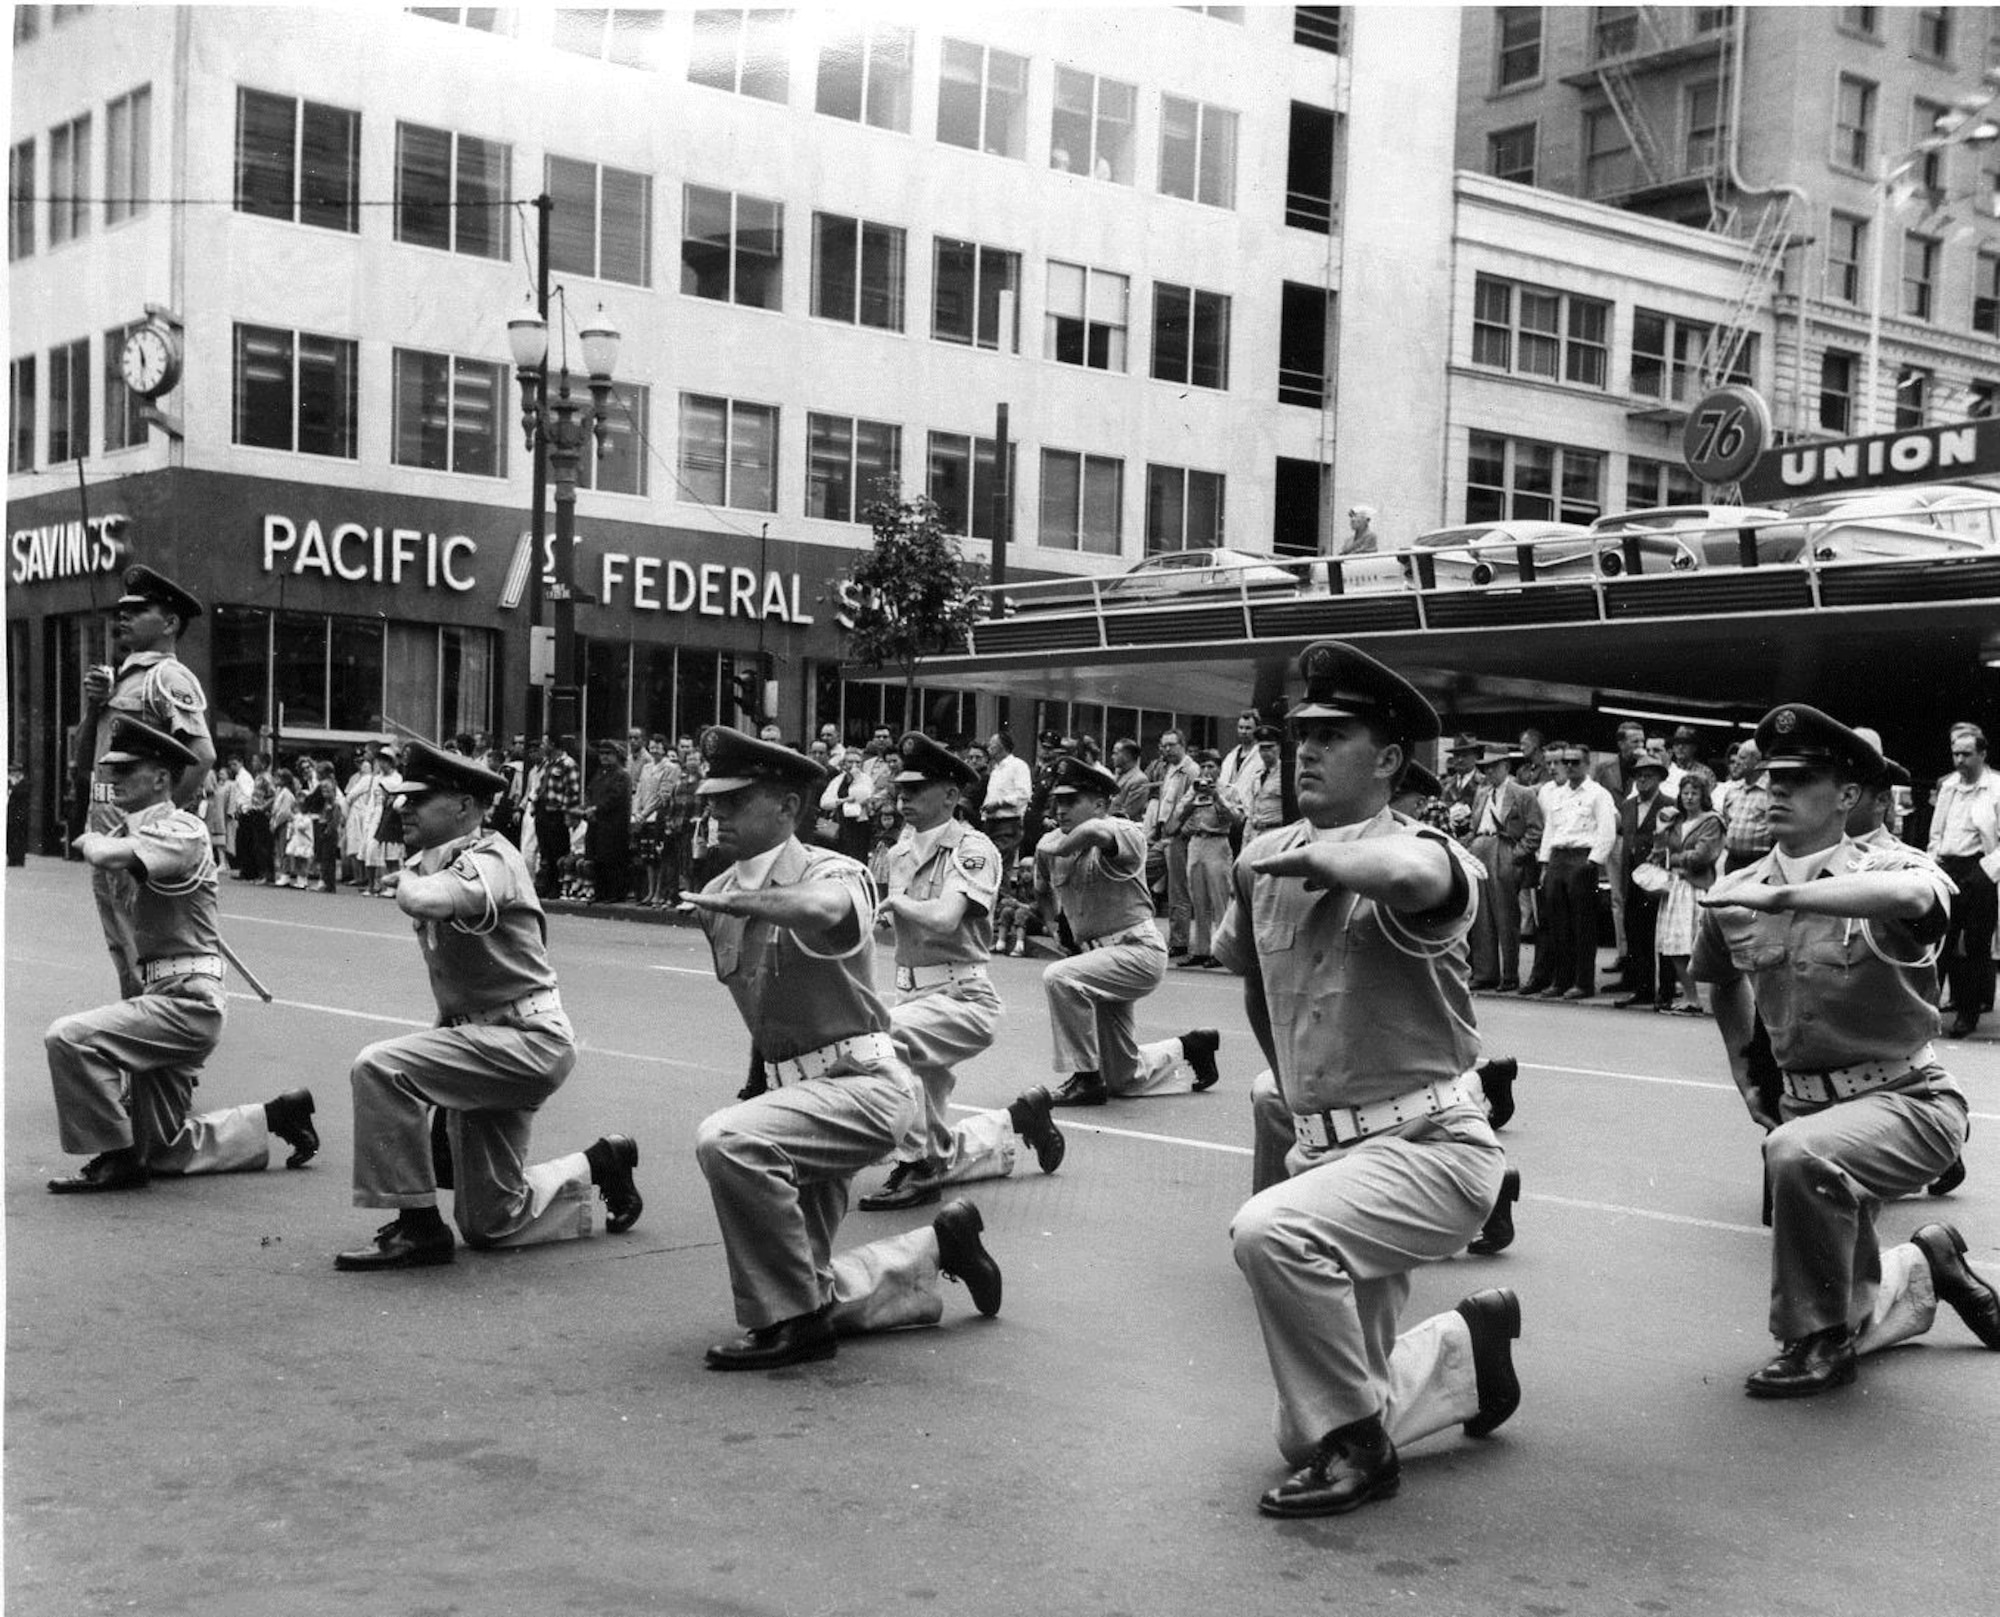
x,y
309,926
1629,1077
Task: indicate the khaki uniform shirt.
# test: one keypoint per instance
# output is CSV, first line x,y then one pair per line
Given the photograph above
x,y
493,949
962,860
1102,891
156,688
173,908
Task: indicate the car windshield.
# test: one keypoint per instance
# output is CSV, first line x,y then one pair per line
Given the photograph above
x,y
1667,517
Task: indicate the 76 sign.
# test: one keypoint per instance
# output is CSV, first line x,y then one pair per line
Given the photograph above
x,y
1725,434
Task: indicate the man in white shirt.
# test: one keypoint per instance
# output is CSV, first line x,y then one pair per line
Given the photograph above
x,y
1965,841
1009,785
1580,824
1242,763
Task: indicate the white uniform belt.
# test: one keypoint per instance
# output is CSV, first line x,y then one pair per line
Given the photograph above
x,y
863,1050
179,965
1844,1083
1349,1123
1145,932
542,1002
100,791
952,971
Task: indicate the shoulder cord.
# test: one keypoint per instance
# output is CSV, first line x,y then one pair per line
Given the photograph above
x,y
1397,933
489,915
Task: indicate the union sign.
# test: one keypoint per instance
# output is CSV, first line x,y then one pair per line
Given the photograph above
x,y
1888,460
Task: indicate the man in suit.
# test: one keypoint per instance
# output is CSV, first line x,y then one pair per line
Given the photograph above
x,y
1506,830
1638,826
1614,774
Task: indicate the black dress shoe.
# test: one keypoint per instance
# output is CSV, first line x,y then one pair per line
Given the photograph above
x,y
910,1184
963,1256
401,1246
1498,1234
1354,1465
1483,985
798,1340
1497,1077
1976,1302
1811,1364
612,1160
1494,1319
1630,1000
1962,1027
1510,985
290,1117
1080,1089
1199,1047
1950,1179
1029,1113
113,1170
1532,989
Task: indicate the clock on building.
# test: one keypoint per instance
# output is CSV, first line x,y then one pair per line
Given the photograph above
x,y
151,360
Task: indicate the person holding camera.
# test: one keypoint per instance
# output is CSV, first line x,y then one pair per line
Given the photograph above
x,y
1206,820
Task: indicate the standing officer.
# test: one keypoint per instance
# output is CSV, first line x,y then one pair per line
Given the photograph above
x,y
791,929
943,879
124,1075
1349,929
501,1048
153,685
1097,875
1834,942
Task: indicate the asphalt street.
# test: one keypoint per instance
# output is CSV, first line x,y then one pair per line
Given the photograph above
x,y
202,1417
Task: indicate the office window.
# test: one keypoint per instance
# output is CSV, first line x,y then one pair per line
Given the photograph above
x,y
845,461
983,99
628,36
1521,480
1510,154
124,410
1659,482
1929,171
21,391
1086,318
449,414
1537,331
1091,132
20,200
732,248
1295,518
1846,242
69,180
744,52
1082,501
69,401
1853,123
1982,402
1183,509
1933,32
128,155
1861,19
729,452
858,271
962,470
1309,165
481,19
1704,114
1304,340
1317,27
1197,152
1520,52
1614,31
620,467
1190,336
967,281
864,74
603,221
1836,391
1608,166
297,160
1669,354
1986,295
295,391
452,191
1920,261
1913,396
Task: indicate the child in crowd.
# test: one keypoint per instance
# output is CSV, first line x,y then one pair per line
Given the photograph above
x,y
579,881
1015,910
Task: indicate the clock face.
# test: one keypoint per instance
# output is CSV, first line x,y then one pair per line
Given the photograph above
x,y
149,363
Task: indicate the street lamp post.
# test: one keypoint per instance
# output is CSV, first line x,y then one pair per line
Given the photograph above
x,y
560,426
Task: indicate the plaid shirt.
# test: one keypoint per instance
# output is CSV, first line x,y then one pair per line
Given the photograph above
x,y
561,786
1748,828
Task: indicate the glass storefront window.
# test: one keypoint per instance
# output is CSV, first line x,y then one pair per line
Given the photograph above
x,y
354,675
298,671
465,680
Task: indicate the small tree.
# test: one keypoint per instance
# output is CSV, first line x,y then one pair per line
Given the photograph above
x,y
915,593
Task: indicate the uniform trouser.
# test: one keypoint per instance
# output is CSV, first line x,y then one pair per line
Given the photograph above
x,y
1642,931
115,892
1830,1169
1090,1012
124,1076
1569,921
1208,867
935,1029
778,1168
1966,957
1180,903
1328,1252
1496,926
490,1080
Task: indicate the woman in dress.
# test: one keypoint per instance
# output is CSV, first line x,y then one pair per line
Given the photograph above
x,y
358,819
1690,850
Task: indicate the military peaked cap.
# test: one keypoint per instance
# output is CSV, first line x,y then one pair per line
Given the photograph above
x,y
927,760
431,769
1345,683
133,742
1795,736
144,587
1893,773
736,760
1073,775
1418,781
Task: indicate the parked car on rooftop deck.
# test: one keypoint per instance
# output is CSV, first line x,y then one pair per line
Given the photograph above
x,y
1482,553
1685,537
1202,572
1926,519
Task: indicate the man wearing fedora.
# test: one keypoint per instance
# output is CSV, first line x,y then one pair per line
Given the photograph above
x,y
153,685
944,880
502,1046
1506,831
791,929
1835,941
1642,821
1349,929
125,1074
